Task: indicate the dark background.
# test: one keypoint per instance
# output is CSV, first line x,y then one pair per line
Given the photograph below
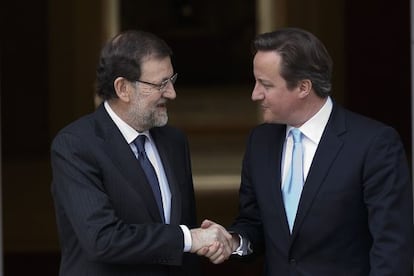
x,y
212,48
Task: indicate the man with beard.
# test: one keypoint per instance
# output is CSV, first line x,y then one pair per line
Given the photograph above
x,y
122,181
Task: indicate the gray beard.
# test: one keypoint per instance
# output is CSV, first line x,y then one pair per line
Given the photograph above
x,y
151,120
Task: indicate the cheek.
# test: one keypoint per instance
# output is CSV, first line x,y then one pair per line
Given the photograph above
x,y
146,102
274,103
278,107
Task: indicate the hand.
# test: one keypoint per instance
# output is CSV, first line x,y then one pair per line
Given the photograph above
x,y
208,234
218,252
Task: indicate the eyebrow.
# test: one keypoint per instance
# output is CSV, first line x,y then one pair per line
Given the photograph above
x,y
266,82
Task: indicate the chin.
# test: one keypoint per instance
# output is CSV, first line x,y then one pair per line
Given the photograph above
x,y
266,118
270,120
161,121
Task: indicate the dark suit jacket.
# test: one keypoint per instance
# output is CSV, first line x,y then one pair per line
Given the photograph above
x,y
107,217
355,213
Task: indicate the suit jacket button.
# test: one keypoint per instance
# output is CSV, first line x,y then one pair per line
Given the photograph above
x,y
292,261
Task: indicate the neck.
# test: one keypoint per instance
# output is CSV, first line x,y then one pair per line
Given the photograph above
x,y
310,107
122,110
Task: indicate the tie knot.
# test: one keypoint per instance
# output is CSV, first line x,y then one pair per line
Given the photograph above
x,y
140,143
297,135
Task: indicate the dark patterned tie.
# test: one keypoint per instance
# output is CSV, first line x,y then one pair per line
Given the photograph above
x,y
149,171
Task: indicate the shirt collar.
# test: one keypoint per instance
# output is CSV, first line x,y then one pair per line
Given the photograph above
x,y
314,127
129,133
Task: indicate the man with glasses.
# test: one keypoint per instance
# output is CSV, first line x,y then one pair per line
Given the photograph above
x,y
122,182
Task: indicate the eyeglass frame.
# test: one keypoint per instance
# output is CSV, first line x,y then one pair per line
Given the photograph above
x,y
161,86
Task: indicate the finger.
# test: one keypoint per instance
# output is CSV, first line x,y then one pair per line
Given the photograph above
x,y
213,249
218,260
203,251
217,255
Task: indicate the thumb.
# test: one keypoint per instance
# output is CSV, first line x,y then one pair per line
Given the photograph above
x,y
207,223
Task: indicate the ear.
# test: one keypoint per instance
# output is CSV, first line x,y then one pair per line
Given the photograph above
x,y
305,87
122,88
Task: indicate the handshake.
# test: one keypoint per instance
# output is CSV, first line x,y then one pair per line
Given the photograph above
x,y
211,240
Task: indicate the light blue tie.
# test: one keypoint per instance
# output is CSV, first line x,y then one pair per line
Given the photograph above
x,y
294,180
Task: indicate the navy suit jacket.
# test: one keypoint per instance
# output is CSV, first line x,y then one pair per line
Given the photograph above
x,y
107,216
355,214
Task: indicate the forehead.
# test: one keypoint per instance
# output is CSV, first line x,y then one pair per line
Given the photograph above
x,y
156,66
267,58
267,63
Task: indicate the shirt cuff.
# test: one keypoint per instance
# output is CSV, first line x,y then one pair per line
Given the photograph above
x,y
187,238
239,250
244,247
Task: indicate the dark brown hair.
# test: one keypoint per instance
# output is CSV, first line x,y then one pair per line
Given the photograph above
x,y
122,56
303,57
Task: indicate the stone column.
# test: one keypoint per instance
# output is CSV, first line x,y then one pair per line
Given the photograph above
x,y
271,14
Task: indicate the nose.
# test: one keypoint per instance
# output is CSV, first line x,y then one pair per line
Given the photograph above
x,y
169,92
257,93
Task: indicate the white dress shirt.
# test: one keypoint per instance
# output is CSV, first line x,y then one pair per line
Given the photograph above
x,y
312,131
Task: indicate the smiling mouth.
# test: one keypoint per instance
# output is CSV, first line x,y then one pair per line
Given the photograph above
x,y
162,105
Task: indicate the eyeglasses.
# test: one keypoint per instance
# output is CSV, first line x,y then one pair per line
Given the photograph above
x,y
161,86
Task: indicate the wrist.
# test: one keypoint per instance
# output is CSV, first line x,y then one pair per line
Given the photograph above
x,y
235,238
194,240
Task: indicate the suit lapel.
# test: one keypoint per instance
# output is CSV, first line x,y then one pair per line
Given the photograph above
x,y
276,188
124,159
327,151
267,153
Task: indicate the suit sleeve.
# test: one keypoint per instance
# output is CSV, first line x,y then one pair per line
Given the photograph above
x,y
388,196
86,215
248,223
